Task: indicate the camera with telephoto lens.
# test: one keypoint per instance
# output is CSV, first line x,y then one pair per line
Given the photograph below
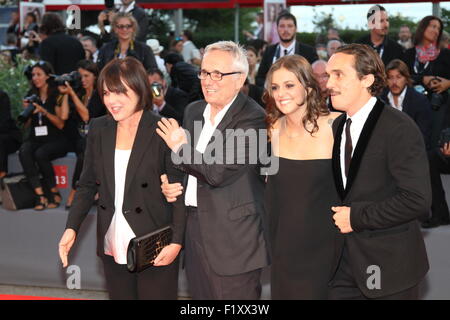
x,y
436,100
26,114
157,89
73,78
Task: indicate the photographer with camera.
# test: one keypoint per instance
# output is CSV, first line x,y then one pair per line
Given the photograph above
x,y
80,103
169,102
10,135
126,28
45,140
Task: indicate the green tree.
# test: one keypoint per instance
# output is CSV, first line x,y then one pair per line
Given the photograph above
x,y
323,21
210,25
445,16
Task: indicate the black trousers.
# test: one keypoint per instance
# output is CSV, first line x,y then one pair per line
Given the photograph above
x,y
154,283
438,164
204,283
343,285
36,158
8,145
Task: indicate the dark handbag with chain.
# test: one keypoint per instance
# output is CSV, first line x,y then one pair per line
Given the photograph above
x,y
142,251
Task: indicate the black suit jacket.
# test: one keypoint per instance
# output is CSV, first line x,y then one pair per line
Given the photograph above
x,y
141,51
178,99
308,52
388,188
392,50
62,51
418,107
144,206
229,196
142,20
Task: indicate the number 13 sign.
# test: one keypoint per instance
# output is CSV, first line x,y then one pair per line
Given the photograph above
x,y
61,176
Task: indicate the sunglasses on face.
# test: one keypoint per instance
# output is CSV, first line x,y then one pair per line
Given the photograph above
x,y
124,26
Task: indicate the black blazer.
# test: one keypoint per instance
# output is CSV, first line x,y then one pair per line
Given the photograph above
x,y
230,197
388,188
418,107
141,51
142,20
144,206
304,50
392,50
62,51
178,99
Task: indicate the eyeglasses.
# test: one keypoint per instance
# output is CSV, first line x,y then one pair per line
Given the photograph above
x,y
215,75
124,26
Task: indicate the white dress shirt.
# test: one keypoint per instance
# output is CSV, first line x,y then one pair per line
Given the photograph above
x,y
205,136
358,121
289,50
128,8
119,232
401,97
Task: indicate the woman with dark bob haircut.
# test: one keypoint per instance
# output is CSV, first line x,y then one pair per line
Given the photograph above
x,y
124,159
299,196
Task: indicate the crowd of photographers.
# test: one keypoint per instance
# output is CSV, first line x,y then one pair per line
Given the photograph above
x,y
63,95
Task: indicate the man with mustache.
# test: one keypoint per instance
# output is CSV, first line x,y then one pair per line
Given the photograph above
x,y
381,173
378,23
288,45
402,96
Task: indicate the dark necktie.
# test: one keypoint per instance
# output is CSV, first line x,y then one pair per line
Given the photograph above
x,y
348,146
285,52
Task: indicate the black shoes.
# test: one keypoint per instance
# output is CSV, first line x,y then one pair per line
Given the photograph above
x,y
432,223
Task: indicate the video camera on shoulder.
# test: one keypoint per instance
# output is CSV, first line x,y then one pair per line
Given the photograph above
x,y
109,4
26,114
73,78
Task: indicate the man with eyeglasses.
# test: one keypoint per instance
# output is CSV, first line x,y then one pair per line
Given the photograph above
x,y
225,249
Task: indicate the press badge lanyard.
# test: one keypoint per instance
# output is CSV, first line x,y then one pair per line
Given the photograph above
x,y
416,64
40,130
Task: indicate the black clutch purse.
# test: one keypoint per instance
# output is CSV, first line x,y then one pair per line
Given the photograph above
x,y
143,250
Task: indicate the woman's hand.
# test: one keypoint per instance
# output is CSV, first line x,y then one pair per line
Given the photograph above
x,y
172,133
40,109
65,244
439,84
67,89
167,255
170,190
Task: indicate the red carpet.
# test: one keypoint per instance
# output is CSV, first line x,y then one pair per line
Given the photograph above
x,y
17,297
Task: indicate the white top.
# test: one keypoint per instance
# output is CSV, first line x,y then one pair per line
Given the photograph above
x,y
206,135
358,121
119,232
190,51
401,97
160,64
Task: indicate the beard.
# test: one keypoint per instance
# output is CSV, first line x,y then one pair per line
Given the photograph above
x,y
287,40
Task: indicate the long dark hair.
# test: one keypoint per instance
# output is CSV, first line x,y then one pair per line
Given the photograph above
x,y
48,70
315,104
423,25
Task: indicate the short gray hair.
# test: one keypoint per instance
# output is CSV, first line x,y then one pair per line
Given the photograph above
x,y
238,53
